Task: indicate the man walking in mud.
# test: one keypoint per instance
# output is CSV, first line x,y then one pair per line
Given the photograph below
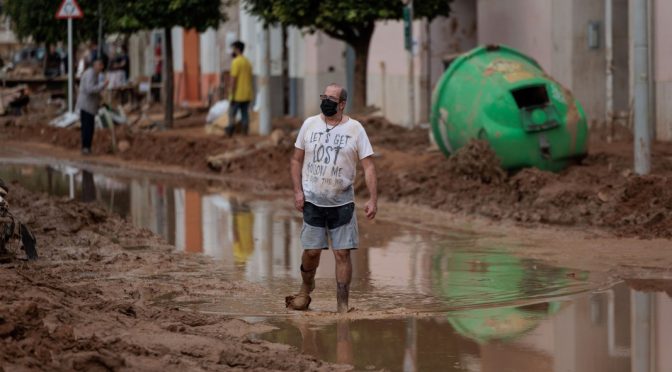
x,y
323,167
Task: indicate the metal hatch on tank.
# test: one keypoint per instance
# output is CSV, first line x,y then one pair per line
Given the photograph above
x,y
496,93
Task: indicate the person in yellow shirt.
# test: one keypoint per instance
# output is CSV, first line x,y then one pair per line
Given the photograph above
x,y
240,89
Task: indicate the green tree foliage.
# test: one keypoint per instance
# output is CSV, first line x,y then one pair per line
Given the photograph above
x,y
134,15
36,20
352,21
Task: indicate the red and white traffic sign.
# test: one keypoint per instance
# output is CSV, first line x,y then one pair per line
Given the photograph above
x,y
69,9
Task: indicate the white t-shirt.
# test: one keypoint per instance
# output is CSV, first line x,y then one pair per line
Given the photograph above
x,y
330,160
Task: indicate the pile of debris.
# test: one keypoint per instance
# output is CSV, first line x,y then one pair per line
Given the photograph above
x,y
14,100
478,162
217,121
224,160
13,231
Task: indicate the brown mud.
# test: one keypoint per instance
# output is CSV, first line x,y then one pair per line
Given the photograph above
x,y
601,192
89,302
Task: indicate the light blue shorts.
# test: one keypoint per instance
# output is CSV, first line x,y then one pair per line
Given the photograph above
x,y
324,224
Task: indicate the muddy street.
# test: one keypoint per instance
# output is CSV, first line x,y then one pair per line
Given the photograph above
x,y
273,185
145,271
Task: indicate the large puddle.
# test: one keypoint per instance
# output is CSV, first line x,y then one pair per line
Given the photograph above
x,y
586,333
425,300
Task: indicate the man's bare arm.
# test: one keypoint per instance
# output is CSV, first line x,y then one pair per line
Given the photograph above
x,y
296,166
371,207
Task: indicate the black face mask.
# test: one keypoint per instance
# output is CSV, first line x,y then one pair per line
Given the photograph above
x,y
329,107
234,55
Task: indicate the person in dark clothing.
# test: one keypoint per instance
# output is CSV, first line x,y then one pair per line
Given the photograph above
x,y
94,55
121,63
53,64
88,101
88,187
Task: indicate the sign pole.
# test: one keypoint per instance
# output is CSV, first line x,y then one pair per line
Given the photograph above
x,y
69,9
70,66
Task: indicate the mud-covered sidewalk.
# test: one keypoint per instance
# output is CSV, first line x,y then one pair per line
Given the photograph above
x,y
602,192
89,302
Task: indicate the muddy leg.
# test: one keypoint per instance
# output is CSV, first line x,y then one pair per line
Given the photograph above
x,y
309,263
343,277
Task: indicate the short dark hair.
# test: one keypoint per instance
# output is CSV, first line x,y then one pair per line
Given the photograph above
x,y
239,45
102,60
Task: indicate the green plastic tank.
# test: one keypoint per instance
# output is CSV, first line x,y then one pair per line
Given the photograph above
x,y
500,95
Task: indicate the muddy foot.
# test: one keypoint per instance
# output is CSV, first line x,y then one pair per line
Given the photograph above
x,y
299,302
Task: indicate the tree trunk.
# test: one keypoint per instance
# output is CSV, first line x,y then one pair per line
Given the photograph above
x,y
361,47
168,80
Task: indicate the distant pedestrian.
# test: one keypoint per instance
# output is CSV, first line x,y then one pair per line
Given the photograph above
x,y
96,52
240,89
52,67
88,101
119,68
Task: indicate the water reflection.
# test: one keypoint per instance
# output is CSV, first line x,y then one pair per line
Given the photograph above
x,y
588,333
88,187
398,267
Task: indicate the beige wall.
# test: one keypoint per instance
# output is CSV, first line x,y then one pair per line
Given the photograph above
x,y
316,60
522,24
589,65
387,86
555,32
388,83
140,55
663,331
324,63
662,30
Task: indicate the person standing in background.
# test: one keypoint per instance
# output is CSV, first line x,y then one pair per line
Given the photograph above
x,y
53,61
240,89
119,68
88,101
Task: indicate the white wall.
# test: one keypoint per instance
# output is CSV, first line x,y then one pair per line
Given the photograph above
x,y
209,52
178,49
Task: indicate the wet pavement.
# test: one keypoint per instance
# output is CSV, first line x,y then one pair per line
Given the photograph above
x,y
425,300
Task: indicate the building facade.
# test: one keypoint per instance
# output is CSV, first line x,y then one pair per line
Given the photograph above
x,y
567,38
